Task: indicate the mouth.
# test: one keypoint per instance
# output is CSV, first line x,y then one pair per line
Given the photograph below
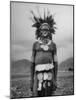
x,y
44,33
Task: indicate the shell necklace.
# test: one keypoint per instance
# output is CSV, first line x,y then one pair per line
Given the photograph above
x,y
45,47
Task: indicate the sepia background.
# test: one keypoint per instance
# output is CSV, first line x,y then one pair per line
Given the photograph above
x,y
23,37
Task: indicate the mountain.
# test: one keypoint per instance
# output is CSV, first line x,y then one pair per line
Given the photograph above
x,y
20,66
67,64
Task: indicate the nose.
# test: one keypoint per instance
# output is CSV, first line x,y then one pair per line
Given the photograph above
x,y
44,33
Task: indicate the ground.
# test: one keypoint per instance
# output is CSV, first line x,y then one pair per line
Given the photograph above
x,y
20,87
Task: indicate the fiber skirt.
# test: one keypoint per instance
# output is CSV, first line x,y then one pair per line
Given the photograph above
x,y
43,79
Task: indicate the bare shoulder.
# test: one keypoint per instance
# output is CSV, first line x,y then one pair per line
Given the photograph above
x,y
53,45
35,44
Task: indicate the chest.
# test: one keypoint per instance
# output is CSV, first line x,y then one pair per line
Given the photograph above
x,y
44,48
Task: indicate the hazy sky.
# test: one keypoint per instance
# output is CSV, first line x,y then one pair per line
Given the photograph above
x,y
23,35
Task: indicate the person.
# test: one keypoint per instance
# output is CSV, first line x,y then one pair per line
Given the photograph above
x,y
44,58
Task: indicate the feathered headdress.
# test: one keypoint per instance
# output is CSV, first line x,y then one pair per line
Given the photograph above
x,y
48,22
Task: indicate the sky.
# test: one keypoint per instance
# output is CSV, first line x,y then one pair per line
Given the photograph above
x,y
23,34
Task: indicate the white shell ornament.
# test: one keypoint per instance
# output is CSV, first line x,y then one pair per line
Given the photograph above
x,y
39,86
40,76
44,47
45,76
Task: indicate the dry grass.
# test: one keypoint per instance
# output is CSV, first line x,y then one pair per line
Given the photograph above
x,y
20,88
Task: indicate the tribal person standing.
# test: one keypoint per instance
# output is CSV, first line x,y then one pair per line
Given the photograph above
x,y
44,57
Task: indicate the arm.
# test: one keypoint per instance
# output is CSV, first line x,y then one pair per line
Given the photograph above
x,y
32,66
55,62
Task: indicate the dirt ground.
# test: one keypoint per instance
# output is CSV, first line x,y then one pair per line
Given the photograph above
x,y
20,88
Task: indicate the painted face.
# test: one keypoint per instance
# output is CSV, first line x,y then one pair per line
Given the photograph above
x,y
44,33
44,36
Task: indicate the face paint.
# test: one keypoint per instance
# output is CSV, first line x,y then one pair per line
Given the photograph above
x,y
44,34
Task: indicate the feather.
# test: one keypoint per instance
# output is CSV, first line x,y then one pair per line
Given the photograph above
x,y
38,22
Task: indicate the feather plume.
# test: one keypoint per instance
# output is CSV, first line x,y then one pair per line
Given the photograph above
x,y
38,22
